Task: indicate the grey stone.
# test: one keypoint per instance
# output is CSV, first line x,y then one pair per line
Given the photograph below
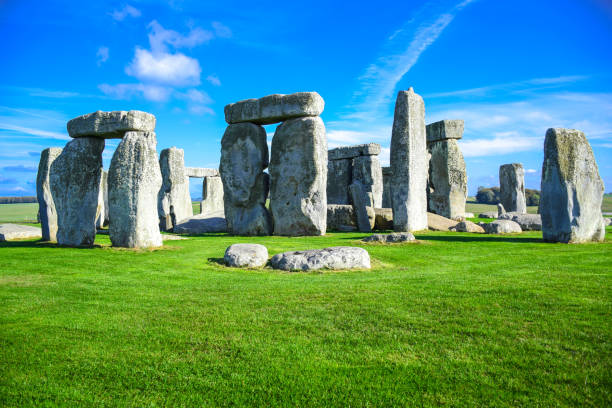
x,y
447,190
111,125
383,218
246,256
102,217
327,258
244,157
361,203
528,222
9,232
174,199
349,152
367,171
488,214
75,182
339,176
298,173
200,172
46,207
502,227
445,130
341,217
409,163
437,222
275,108
390,238
212,196
572,190
386,200
512,187
134,180
468,226
202,224
500,209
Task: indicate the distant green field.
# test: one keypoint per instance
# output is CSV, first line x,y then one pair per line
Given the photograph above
x,y
24,212
606,206
472,206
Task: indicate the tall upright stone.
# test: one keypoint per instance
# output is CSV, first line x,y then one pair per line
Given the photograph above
x,y
447,185
387,201
409,163
339,178
572,190
512,187
75,184
46,207
134,178
298,172
244,157
212,195
368,172
174,200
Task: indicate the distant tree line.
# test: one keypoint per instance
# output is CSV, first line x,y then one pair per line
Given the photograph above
x,y
17,200
490,195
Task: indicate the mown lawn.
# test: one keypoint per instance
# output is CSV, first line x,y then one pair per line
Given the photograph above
x,y
22,212
456,320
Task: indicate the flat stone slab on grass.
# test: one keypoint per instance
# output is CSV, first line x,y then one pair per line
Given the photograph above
x,y
502,227
437,222
468,226
201,224
246,255
392,238
9,232
275,108
348,152
528,222
111,125
488,214
327,258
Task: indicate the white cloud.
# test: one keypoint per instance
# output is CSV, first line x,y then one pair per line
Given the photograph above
x,y
221,30
531,171
150,92
127,10
170,69
160,38
102,55
499,145
214,80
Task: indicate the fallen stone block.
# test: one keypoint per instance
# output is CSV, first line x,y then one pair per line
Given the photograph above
x,y
246,256
502,227
468,226
201,224
437,222
9,232
392,238
327,258
528,222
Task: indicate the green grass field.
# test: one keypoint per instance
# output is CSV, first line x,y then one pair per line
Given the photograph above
x,y
455,320
25,212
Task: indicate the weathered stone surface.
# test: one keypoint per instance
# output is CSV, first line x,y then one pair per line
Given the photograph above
x,y
46,207
349,152
447,190
327,258
502,227
439,223
386,200
9,232
102,217
246,256
390,238
500,209
444,130
212,195
528,222
111,125
134,180
361,202
488,214
409,163
512,187
383,218
571,190
468,226
367,171
244,157
75,182
339,177
202,224
298,173
275,108
201,172
341,217
174,200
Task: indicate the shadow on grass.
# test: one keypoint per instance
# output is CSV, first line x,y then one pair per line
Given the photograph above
x,y
42,244
479,238
218,261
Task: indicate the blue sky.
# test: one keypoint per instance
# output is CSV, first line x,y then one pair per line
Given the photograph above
x,y
510,69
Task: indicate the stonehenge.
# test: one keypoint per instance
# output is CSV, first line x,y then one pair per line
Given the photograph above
x,y
387,182
110,125
409,163
512,187
447,185
212,189
274,108
571,189
46,207
174,201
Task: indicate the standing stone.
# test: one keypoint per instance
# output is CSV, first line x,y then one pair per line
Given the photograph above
x,y
134,178
102,212
75,184
447,189
174,200
361,202
367,171
409,163
46,207
298,172
512,187
386,200
339,177
244,157
212,195
572,190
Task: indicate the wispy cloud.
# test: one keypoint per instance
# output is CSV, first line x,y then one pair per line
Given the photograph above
x,y
34,132
214,80
101,55
126,11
